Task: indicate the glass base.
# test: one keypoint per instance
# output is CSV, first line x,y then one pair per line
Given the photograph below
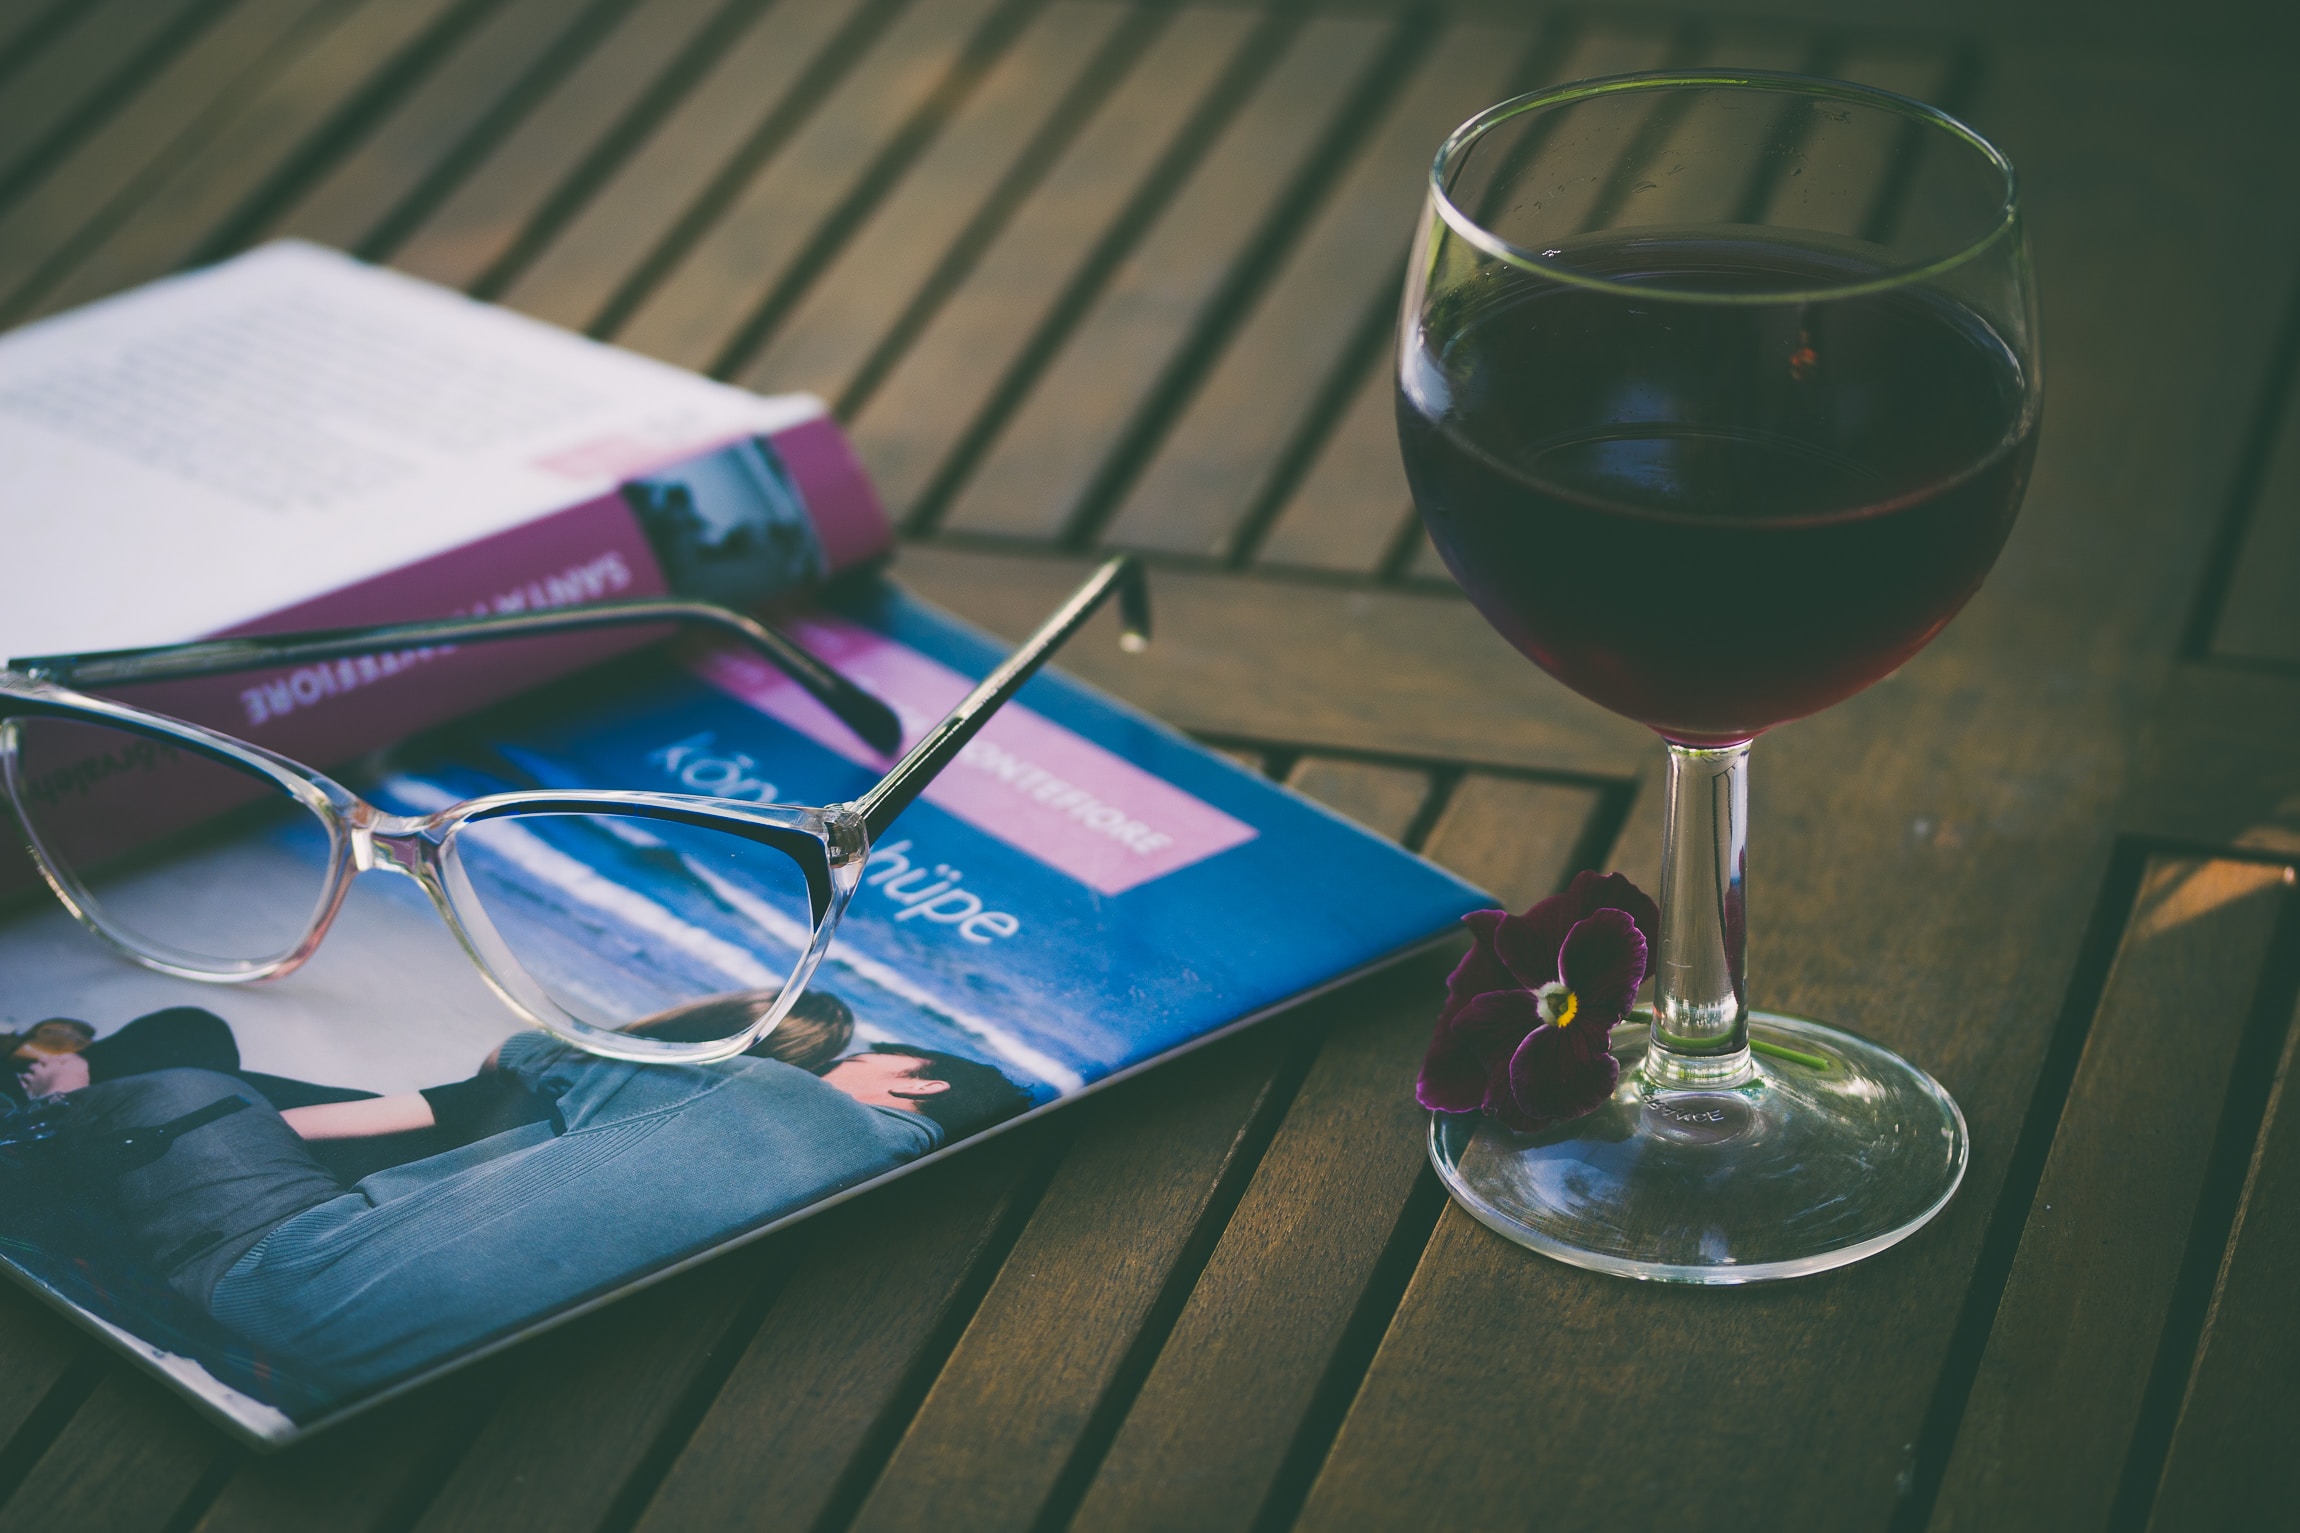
x,y
1836,1150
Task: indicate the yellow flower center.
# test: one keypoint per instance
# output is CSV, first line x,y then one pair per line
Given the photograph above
x,y
1572,1007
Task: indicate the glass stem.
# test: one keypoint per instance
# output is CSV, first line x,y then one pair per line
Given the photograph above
x,y
1700,999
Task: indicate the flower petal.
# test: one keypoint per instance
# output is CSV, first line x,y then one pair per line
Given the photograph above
x,y
1496,1022
1453,1077
1479,970
1472,1048
1556,1074
1528,943
1592,892
1602,963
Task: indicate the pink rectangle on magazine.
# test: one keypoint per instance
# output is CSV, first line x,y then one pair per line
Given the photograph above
x,y
1025,779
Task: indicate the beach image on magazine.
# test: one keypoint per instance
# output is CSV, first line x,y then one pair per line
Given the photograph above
x,y
293,1197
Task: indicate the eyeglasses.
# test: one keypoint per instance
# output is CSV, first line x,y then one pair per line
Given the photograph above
x,y
637,925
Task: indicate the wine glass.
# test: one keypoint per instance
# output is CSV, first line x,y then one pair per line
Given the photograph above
x,y
1718,393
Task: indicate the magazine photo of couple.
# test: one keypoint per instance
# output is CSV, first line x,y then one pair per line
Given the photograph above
x,y
342,1238
295,1199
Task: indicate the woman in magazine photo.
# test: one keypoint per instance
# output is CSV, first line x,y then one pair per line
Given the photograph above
x,y
550,1176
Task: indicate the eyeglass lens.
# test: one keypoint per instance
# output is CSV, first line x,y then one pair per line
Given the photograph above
x,y
635,924
176,854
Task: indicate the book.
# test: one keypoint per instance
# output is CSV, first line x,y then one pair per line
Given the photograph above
x,y
295,440
1084,893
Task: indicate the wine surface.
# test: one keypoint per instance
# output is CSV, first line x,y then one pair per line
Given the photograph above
x,y
1713,517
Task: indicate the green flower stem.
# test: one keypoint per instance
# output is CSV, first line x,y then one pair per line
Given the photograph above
x,y
1794,1056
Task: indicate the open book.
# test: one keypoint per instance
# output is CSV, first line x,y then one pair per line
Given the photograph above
x,y
295,1199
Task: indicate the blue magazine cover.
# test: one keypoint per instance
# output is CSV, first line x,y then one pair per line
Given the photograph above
x,y
222,1189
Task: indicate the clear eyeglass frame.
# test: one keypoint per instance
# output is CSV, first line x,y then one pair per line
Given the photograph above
x,y
828,844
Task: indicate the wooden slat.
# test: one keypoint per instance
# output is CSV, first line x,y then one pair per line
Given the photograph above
x,y
97,184
1216,463
1372,670
2231,1463
365,1477
474,227
1424,563
435,121
1345,513
991,1441
834,1363
830,335
78,79
1509,835
35,1349
1955,948
1220,1421
2260,617
909,427
1636,852
589,1403
701,305
1035,479
2220,763
269,128
125,1463
2052,1409
571,282
1384,799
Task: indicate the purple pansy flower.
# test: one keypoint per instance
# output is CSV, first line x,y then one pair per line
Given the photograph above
x,y
1522,1036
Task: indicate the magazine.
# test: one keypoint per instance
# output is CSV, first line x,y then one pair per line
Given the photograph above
x,y
295,1199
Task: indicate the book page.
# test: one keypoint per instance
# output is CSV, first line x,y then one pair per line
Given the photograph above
x,y
219,445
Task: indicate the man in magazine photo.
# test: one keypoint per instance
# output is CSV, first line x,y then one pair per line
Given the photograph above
x,y
626,1167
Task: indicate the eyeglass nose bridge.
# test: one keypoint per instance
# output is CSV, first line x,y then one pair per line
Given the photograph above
x,y
400,844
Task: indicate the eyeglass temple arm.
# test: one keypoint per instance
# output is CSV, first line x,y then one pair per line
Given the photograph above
x,y
937,748
868,717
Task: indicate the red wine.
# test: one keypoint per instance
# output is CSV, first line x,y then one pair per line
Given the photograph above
x,y
1713,517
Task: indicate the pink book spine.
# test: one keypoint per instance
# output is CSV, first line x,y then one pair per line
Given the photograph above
x,y
600,549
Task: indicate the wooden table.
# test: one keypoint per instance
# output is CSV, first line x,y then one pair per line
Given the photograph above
x,y
1083,273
